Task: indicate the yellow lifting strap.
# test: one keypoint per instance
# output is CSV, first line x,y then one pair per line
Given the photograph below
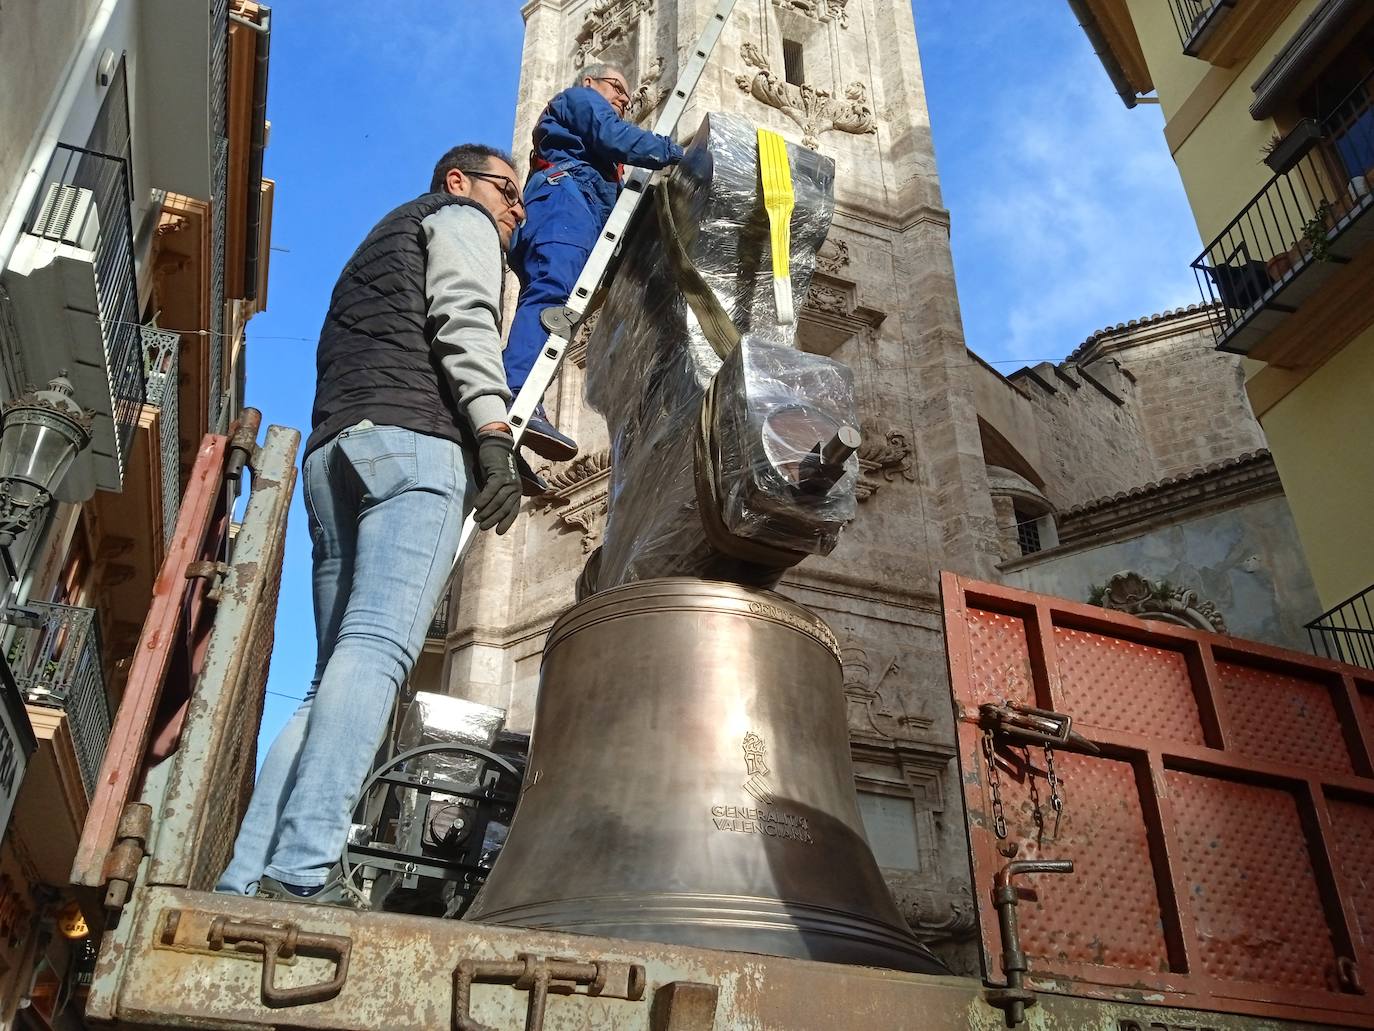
x,y
779,200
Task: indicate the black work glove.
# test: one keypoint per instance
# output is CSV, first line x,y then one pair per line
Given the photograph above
x,y
499,502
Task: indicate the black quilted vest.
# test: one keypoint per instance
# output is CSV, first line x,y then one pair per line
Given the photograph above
x,y
374,360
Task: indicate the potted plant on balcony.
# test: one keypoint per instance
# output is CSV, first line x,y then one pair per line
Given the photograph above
x,y
1282,152
1314,232
1280,265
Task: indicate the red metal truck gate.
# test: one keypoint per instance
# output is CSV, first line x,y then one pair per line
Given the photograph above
x,y
1223,836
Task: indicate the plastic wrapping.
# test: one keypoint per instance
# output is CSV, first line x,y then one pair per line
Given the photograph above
x,y
774,409
650,364
434,719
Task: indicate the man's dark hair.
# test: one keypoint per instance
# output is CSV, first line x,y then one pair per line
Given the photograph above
x,y
467,158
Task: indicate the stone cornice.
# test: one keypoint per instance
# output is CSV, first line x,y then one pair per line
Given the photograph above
x,y
1162,325
1104,520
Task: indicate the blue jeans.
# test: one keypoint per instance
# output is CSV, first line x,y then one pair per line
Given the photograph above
x,y
385,506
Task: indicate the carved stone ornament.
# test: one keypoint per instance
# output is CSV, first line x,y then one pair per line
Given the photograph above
x,y
884,457
865,701
577,496
820,10
645,100
833,257
827,300
936,914
608,22
1132,593
577,347
815,110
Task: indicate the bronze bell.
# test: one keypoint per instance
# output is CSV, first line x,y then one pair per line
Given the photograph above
x,y
690,782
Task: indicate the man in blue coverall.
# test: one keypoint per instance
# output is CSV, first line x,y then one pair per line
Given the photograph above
x,y
580,142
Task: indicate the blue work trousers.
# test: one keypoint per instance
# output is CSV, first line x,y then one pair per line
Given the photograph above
x,y
560,229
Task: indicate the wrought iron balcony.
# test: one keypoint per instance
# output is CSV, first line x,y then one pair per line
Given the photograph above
x,y
56,661
75,293
1346,632
438,626
1309,219
1196,20
161,353
219,203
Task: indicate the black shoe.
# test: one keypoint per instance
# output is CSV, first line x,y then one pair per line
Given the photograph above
x,y
543,438
532,485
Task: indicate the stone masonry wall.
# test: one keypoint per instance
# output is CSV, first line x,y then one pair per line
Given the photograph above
x,y
1191,397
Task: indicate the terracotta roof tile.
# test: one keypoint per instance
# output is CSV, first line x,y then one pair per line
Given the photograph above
x,y
1249,457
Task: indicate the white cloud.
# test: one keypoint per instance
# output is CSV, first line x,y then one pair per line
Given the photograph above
x,y
1067,208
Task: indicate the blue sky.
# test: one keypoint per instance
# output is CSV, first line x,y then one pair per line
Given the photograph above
x,y
1067,210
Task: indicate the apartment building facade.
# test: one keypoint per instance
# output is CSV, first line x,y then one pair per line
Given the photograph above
x,y
1269,114
134,244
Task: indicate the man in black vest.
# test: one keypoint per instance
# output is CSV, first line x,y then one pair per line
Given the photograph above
x,y
409,419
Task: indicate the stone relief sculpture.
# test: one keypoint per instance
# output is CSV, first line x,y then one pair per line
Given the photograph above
x,y
577,495
815,110
608,22
649,95
1133,593
820,10
884,457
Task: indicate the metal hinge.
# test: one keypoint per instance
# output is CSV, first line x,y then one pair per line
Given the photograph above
x,y
539,976
131,845
212,573
275,943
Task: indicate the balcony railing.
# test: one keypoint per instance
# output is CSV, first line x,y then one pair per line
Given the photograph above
x,y
1310,214
218,45
1195,19
86,198
438,626
219,207
1346,633
161,352
56,661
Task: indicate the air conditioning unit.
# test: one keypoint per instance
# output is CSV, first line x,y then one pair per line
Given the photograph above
x,y
68,215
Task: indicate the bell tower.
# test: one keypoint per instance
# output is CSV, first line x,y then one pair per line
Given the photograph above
x,y
842,77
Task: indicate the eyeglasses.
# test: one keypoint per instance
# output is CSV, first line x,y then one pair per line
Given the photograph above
x,y
615,85
509,191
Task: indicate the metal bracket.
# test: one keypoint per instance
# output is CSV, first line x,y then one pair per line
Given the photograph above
x,y
561,321
278,943
539,976
243,445
212,573
1348,976
1038,726
1016,998
131,845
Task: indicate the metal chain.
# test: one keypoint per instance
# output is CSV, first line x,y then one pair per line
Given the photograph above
x,y
1056,798
999,819
1037,814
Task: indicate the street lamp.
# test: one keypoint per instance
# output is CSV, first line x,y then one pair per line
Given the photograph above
x,y
43,432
